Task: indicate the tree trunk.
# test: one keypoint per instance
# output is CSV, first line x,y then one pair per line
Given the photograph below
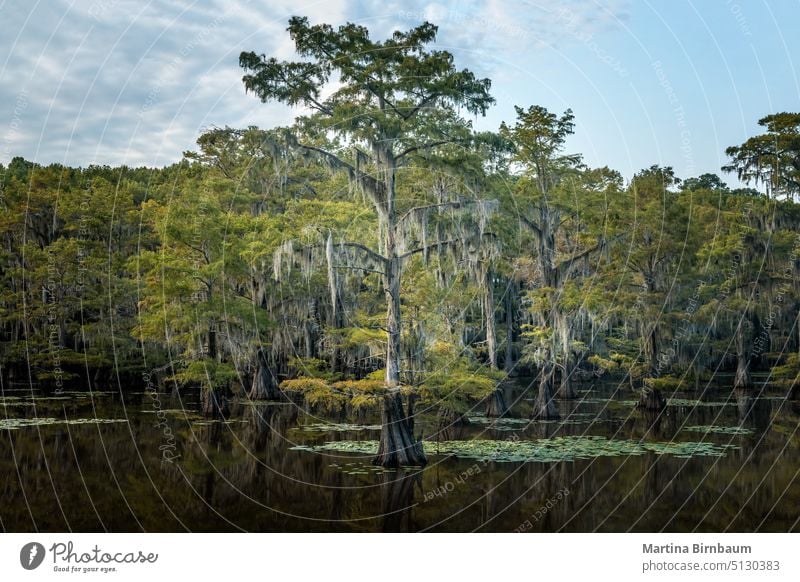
x,y
265,386
392,290
496,405
742,378
544,406
651,399
488,315
508,364
449,424
397,447
214,402
561,333
212,342
565,387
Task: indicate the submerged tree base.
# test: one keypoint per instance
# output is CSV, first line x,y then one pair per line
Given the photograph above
x,y
398,447
449,424
214,403
567,390
496,405
265,386
652,399
544,407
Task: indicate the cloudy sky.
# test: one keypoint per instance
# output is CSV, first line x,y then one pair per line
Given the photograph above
x,y
134,82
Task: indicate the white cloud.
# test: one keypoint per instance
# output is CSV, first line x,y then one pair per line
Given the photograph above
x,y
127,82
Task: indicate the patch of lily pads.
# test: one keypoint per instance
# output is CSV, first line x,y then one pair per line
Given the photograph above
x,y
181,413
714,429
337,427
14,401
17,423
503,423
688,402
607,401
360,469
553,450
516,424
213,421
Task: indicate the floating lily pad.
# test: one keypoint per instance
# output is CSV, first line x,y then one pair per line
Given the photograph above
x,y
210,422
336,427
566,448
687,402
708,429
500,423
509,424
16,423
50,398
175,412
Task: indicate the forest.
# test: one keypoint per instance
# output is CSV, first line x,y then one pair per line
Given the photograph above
x,y
380,256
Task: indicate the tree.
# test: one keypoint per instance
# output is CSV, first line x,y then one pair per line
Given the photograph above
x,y
385,110
772,158
705,182
196,299
657,246
546,199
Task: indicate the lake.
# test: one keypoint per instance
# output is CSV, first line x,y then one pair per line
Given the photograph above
x,y
109,461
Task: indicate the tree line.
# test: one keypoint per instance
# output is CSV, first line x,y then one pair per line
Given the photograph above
x,y
380,252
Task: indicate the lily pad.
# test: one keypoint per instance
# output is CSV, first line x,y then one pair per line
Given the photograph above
x,y
557,449
687,402
17,423
336,427
175,412
708,429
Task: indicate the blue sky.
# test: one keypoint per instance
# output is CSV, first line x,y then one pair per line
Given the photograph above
x,y
131,82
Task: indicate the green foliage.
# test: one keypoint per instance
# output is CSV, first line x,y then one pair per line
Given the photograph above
x,y
455,382
772,158
788,374
311,368
359,393
207,373
272,246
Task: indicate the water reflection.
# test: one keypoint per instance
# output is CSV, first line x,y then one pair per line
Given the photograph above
x,y
247,472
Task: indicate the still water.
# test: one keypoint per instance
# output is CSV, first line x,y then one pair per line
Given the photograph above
x,y
106,461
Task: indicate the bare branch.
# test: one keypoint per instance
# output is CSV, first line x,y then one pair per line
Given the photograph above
x,y
438,244
376,256
454,204
356,268
372,186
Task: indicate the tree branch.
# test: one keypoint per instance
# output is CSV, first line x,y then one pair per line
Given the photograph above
x,y
531,225
378,257
567,263
424,146
370,184
364,269
454,204
437,244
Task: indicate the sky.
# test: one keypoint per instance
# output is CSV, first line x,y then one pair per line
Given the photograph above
x,y
670,82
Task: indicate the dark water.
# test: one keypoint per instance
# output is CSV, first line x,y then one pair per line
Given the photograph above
x,y
244,474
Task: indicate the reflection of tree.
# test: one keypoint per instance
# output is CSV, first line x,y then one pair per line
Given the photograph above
x,y
397,500
753,411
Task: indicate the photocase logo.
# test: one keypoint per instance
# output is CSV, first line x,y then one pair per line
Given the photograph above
x,y
31,555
